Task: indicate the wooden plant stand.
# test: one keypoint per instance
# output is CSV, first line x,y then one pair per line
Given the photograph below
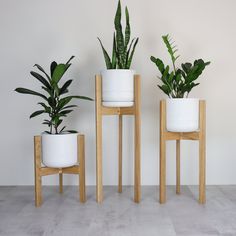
x,y
120,111
43,171
198,135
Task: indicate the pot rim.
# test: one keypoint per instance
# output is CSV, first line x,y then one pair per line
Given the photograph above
x,y
62,134
182,99
113,70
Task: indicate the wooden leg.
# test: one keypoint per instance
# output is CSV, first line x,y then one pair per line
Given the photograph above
x,y
60,183
120,156
137,137
99,188
81,153
178,166
37,166
202,154
162,170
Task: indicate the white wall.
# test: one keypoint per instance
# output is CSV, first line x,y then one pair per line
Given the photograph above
x,y
42,31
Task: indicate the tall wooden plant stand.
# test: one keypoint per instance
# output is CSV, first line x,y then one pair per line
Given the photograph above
x,y
199,135
120,111
41,171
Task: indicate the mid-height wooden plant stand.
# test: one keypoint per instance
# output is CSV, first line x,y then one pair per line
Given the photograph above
x,y
199,135
41,171
120,111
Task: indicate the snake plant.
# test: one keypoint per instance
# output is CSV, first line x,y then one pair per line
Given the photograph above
x,y
54,102
123,49
180,81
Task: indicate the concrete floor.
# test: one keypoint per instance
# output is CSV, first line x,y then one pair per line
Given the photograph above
x,y
118,215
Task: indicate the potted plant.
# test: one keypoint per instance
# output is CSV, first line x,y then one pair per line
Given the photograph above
x,y
59,146
118,78
182,113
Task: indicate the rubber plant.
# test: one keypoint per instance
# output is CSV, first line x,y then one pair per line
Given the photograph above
x,y
123,49
54,102
179,82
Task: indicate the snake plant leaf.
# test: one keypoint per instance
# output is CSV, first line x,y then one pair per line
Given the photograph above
x,y
58,73
113,63
41,79
127,28
106,56
119,35
64,87
53,67
31,92
42,70
36,113
132,54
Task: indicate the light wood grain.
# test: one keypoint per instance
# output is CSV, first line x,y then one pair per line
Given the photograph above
x,y
202,153
137,138
198,135
99,187
44,171
60,183
37,165
81,155
178,166
162,192
120,156
120,111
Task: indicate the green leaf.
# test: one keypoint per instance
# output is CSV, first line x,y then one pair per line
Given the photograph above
x,y
63,89
159,64
53,67
127,28
106,56
114,53
42,70
65,112
31,92
70,60
58,73
36,113
62,129
72,131
132,54
119,37
47,109
41,79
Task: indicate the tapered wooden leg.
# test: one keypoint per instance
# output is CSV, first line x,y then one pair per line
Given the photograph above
x,y
37,166
137,138
120,156
99,187
162,177
81,153
60,183
202,154
178,166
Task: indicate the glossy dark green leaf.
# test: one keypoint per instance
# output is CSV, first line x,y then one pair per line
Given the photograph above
x,y
63,89
36,113
53,67
31,92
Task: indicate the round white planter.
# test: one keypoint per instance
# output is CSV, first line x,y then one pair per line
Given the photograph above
x,y
118,88
59,150
182,114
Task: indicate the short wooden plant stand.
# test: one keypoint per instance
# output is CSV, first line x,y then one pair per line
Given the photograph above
x,y
41,171
199,135
120,111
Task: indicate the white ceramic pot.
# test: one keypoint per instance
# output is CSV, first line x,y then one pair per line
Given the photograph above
x,y
118,88
59,150
182,114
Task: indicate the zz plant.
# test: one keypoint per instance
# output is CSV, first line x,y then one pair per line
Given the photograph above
x,y
180,81
123,49
54,102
